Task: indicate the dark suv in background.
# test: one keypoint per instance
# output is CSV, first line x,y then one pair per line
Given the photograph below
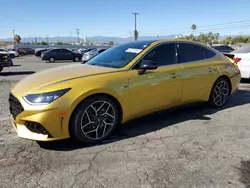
x,y
223,48
60,54
5,61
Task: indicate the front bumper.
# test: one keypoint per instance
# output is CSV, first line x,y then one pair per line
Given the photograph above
x,y
23,132
50,124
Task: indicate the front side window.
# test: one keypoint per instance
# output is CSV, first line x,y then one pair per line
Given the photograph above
x,y
190,52
163,55
120,55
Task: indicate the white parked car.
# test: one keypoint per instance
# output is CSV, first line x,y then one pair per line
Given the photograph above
x,y
88,55
11,53
242,57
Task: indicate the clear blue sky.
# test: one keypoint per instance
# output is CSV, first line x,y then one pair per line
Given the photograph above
x,y
32,18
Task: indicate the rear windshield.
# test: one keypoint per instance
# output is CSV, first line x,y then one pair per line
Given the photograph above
x,y
244,49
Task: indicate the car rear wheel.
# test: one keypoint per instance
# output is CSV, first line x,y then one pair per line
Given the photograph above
x,y
1,68
12,56
94,119
76,59
51,59
219,93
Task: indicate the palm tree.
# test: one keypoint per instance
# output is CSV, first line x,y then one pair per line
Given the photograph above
x,y
136,34
17,39
193,27
111,43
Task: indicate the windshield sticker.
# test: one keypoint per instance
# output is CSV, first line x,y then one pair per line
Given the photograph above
x,y
133,50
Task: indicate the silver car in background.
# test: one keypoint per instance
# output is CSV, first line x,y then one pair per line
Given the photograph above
x,y
88,55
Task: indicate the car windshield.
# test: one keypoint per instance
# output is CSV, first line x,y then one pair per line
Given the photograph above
x,y
120,55
244,49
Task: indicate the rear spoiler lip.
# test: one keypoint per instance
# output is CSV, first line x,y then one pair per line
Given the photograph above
x,y
230,55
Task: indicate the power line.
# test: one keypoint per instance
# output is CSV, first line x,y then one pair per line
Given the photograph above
x,y
218,29
212,25
225,28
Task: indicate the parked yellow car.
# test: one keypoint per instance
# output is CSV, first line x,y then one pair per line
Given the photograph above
x,y
87,101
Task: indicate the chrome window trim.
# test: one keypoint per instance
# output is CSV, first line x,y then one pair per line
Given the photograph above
x,y
176,42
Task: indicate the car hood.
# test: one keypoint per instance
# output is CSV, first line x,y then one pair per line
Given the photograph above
x,y
54,75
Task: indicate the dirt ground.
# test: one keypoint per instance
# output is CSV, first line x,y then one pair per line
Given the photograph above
x,y
190,147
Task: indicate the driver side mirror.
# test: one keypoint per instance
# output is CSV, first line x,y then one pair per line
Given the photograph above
x,y
147,65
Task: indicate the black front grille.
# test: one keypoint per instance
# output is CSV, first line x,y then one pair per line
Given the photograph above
x,y
37,128
15,106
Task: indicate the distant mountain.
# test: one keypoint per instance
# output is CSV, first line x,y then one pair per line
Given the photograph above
x,y
99,39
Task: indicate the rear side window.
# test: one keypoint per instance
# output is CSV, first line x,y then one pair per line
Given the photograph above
x,y
209,53
65,51
56,50
190,52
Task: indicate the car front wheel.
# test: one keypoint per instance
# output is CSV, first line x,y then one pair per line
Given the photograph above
x,y
12,56
76,59
51,59
94,119
1,68
219,93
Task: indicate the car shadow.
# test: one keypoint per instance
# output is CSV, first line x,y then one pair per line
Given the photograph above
x,y
243,80
10,73
244,172
16,65
153,122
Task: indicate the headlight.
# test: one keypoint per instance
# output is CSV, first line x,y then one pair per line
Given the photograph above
x,y
45,98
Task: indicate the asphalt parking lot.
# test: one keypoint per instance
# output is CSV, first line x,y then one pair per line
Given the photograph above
x,y
189,147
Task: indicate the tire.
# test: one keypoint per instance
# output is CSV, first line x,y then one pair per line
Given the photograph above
x,y
76,59
219,93
12,56
1,68
51,59
102,125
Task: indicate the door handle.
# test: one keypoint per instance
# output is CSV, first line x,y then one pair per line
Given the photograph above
x,y
210,69
173,75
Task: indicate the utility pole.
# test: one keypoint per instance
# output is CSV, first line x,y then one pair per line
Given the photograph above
x,y
13,31
70,37
135,13
77,32
47,39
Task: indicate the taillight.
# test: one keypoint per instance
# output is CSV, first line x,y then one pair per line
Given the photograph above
x,y
237,59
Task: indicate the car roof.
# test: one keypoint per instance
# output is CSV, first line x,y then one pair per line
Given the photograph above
x,y
160,41
220,45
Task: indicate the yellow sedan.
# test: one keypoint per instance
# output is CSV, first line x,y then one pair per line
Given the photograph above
x,y
87,101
